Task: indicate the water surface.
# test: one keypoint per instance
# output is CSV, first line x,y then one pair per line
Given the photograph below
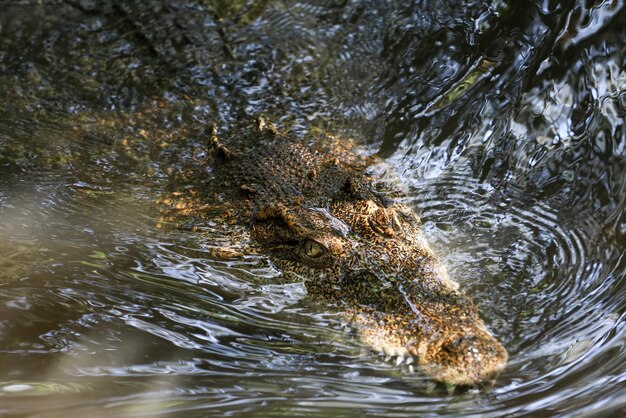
x,y
505,122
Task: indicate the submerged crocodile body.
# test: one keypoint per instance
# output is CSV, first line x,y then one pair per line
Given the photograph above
x,y
313,209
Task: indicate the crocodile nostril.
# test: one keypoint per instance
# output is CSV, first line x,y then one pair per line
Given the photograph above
x,y
465,347
452,344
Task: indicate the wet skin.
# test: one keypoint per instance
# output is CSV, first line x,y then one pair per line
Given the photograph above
x,y
312,208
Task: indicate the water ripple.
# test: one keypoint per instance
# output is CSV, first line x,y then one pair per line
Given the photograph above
x,y
504,122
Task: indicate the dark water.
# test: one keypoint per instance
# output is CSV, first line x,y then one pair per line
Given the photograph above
x,y
505,120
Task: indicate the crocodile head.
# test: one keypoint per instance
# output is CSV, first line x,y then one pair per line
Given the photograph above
x,y
371,260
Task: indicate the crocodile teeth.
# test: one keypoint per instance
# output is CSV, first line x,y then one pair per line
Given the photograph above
x,y
390,351
401,351
399,360
410,360
387,359
411,368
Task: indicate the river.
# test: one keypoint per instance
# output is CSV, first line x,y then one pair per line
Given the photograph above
x,y
505,122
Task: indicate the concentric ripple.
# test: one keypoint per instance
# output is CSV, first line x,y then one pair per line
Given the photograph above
x,y
503,121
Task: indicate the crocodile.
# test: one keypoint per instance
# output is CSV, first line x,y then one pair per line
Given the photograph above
x,y
318,209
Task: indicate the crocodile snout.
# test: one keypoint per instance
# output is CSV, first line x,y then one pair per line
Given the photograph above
x,y
463,359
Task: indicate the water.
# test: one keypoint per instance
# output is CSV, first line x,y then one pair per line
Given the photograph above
x,y
505,120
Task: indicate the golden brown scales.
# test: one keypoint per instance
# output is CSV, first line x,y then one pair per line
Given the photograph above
x,y
312,208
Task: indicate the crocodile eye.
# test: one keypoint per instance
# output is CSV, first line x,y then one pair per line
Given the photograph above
x,y
312,249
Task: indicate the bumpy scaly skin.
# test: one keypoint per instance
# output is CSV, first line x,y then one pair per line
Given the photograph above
x,y
315,212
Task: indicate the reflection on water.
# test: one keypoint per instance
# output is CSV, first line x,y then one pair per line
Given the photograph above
x,y
506,123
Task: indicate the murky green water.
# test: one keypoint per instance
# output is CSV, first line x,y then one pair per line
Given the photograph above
x,y
506,121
